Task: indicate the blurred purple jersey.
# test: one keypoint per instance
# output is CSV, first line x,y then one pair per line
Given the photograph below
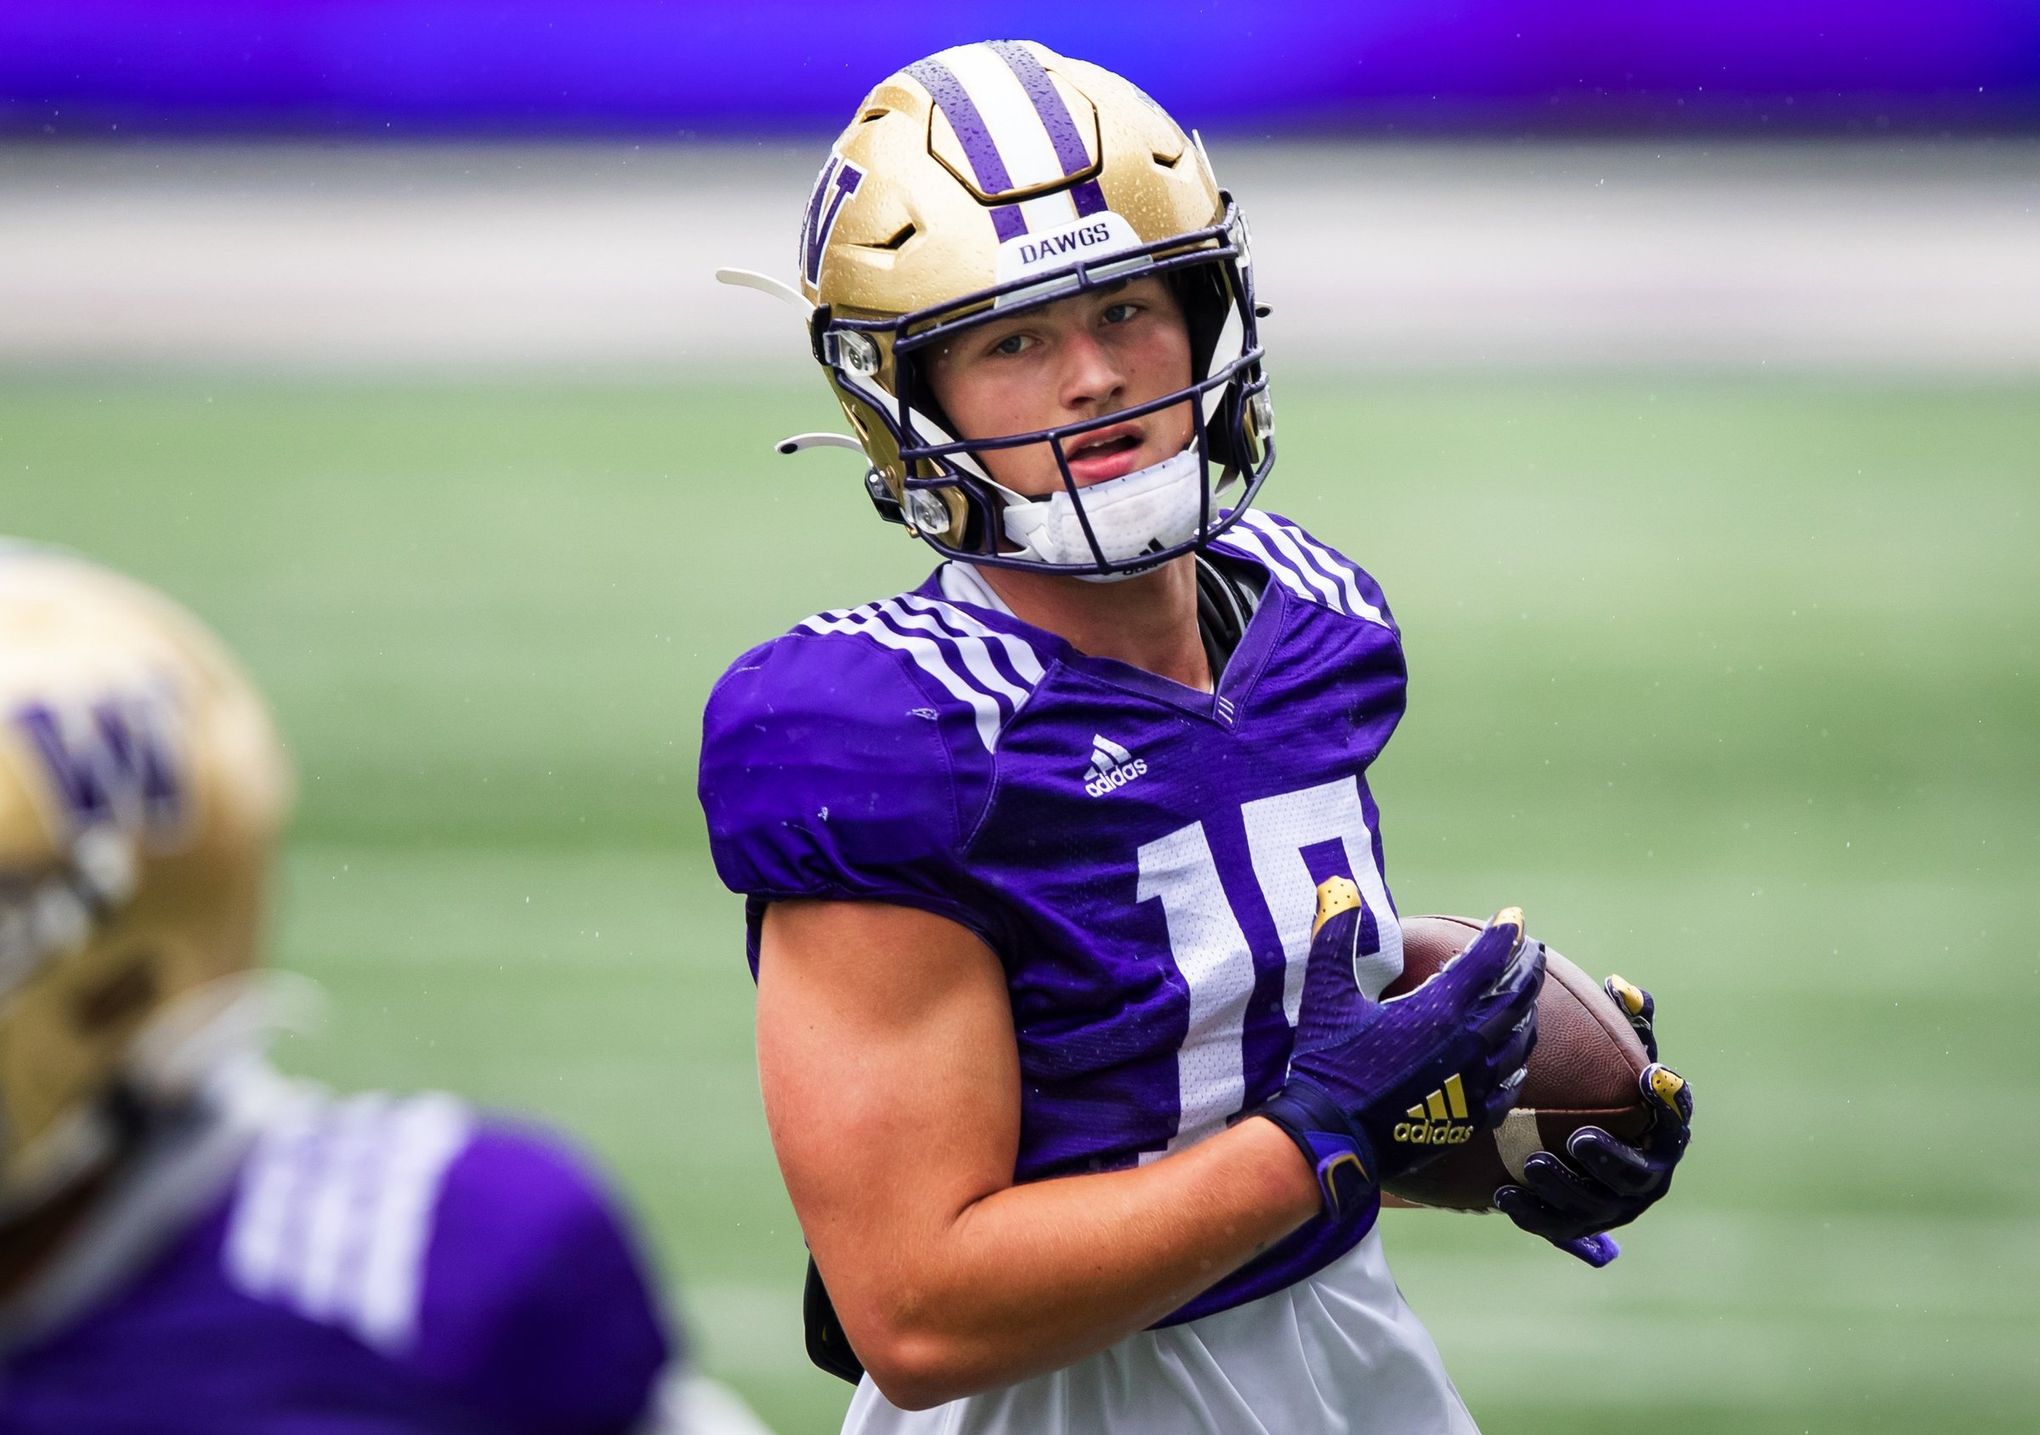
x,y
1142,858
372,1265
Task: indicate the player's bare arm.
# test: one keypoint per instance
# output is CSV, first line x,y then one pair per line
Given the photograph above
x,y
886,1050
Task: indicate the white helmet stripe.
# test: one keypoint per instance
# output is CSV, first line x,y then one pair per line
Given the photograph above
x,y
1010,117
954,104
1024,59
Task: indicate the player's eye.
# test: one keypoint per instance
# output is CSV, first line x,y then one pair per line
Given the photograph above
x,y
1010,345
1122,312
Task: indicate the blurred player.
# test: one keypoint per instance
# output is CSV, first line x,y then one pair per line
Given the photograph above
x,y
188,1241
1084,1114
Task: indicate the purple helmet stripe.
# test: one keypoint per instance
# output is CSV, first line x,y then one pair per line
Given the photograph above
x,y
956,105
1089,197
1048,104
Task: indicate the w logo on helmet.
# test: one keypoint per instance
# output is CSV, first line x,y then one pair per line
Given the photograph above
x,y
838,181
111,761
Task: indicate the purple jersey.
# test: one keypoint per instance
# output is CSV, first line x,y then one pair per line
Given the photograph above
x,y
373,1266
1142,858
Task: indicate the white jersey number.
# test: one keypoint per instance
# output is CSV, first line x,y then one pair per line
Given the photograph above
x,y
1211,950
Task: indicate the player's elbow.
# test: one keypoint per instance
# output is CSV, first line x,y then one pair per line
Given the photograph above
x,y
919,1370
918,1366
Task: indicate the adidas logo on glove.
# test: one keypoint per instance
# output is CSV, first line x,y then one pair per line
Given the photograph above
x,y
1112,766
1429,1124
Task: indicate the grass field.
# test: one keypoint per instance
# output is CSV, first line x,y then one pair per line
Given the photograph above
x,y
1734,685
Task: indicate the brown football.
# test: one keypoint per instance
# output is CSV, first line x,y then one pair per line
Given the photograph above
x,y
1582,1073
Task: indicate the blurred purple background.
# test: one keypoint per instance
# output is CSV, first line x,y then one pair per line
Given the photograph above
x,y
94,68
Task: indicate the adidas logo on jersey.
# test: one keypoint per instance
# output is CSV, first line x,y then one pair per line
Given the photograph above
x,y
1429,1124
1112,766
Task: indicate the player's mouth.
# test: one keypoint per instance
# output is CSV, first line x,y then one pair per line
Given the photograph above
x,y
1105,453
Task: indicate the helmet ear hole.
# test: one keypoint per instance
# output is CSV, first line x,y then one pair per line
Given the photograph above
x,y
1205,298
917,395
1222,433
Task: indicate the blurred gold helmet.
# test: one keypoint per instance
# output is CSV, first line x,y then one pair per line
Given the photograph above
x,y
142,790
996,177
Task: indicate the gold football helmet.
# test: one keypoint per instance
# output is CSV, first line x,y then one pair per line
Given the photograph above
x,y
992,178
142,789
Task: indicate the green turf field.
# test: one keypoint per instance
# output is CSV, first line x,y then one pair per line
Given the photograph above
x,y
1734,685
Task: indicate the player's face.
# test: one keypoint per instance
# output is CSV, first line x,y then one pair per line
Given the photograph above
x,y
1079,358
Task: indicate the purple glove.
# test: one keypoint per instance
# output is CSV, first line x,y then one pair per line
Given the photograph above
x,y
1460,1039
1608,1182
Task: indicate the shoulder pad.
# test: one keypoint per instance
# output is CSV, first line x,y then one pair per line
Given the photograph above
x,y
539,1307
852,757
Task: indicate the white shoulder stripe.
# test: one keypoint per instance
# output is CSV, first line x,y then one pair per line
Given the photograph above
x,y
1328,561
951,647
928,655
976,660
269,1195
328,1256
435,1131
1304,584
335,1211
1250,542
1303,565
1021,656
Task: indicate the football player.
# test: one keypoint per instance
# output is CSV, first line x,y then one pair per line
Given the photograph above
x,y
189,1242
1084,1112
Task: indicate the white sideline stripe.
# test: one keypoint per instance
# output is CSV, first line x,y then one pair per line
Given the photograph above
x,y
1813,256
1022,657
929,656
1516,1140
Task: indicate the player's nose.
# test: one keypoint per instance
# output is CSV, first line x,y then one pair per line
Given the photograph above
x,y
1092,377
